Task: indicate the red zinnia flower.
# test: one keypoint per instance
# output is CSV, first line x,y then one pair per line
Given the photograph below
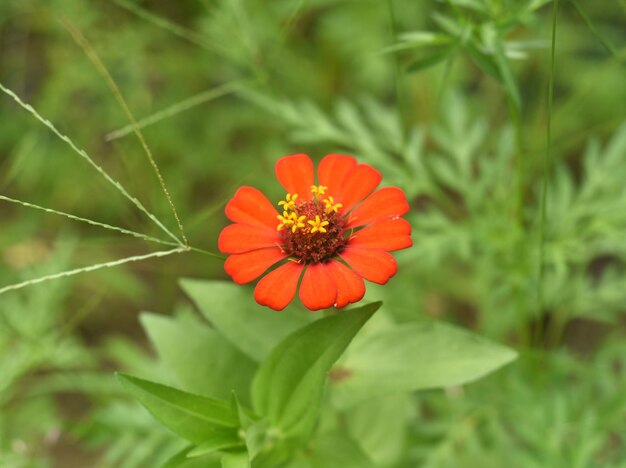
x,y
332,235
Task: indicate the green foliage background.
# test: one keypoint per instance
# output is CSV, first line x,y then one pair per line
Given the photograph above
x,y
457,117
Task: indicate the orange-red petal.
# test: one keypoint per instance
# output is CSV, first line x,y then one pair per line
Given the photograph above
x,y
278,287
250,206
248,266
332,171
240,238
391,234
350,286
295,173
359,182
388,202
376,266
318,289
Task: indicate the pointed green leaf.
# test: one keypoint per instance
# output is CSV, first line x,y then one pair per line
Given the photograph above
x,y
180,460
418,40
485,62
533,5
219,442
415,356
255,330
193,417
608,45
489,55
289,384
506,72
471,4
430,60
205,363
245,417
236,460
450,25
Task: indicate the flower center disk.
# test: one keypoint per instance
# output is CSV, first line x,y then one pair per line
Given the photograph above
x,y
311,231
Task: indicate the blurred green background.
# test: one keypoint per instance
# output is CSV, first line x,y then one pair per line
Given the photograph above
x,y
447,98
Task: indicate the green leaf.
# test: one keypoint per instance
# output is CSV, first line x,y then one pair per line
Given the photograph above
x,y
488,53
219,442
430,60
254,430
415,356
253,329
506,72
245,417
236,460
536,4
418,40
207,364
265,448
289,384
180,460
484,61
450,25
193,417
471,4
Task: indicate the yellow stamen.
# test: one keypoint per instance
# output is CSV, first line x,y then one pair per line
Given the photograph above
x,y
290,202
285,221
298,222
318,189
317,225
331,205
